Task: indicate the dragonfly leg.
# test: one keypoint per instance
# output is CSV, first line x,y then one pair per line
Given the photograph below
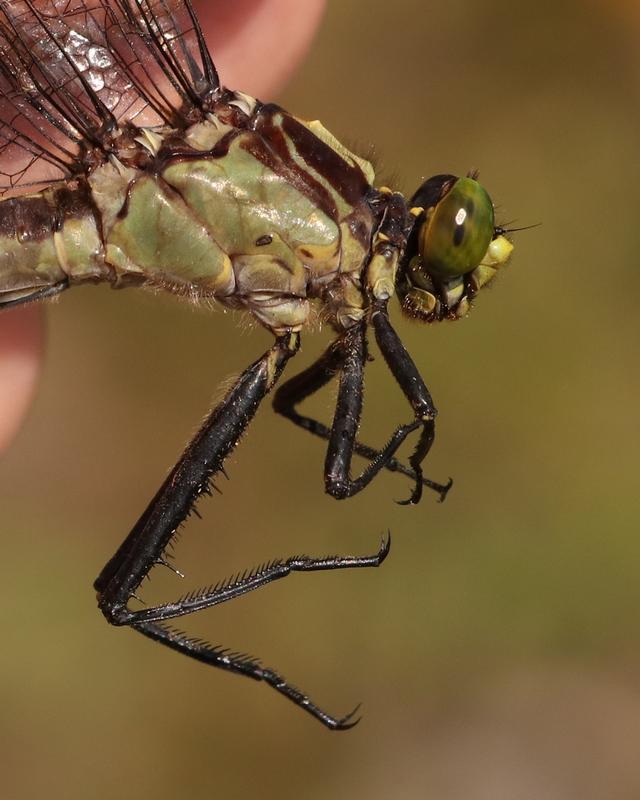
x,y
342,438
248,666
145,545
147,622
414,389
311,380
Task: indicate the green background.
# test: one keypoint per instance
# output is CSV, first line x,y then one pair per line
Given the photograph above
x,y
497,652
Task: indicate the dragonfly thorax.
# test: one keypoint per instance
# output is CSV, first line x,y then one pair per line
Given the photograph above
x,y
263,216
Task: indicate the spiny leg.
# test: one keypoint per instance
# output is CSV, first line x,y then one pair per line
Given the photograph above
x,y
242,664
311,380
251,580
145,545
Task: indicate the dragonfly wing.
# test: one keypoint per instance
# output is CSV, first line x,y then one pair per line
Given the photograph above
x,y
72,71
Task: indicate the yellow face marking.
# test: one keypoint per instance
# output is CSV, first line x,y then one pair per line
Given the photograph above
x,y
498,252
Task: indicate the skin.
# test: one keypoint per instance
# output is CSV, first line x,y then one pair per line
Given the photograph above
x,y
256,45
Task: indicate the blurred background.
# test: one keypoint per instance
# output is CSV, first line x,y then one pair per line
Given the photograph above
x,y
497,652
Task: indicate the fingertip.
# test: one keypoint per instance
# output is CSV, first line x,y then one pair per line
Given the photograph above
x,y
21,335
257,44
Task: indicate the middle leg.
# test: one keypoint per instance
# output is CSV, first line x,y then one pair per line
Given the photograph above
x,y
308,382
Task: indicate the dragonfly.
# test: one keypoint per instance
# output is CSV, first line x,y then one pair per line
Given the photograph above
x,y
125,160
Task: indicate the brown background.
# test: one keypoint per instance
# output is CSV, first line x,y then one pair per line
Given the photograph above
x,y
497,653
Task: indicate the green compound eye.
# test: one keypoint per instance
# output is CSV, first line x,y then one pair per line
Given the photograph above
x,y
458,231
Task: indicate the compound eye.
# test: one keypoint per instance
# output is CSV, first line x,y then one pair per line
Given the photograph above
x,y
458,230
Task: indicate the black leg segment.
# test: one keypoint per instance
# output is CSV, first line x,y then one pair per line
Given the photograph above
x,y
334,360
248,666
190,477
414,389
145,546
338,480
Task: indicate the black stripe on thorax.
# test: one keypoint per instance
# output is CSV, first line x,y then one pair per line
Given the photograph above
x,y
269,146
346,179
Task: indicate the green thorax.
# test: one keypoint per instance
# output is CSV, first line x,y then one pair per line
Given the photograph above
x,y
262,216
251,217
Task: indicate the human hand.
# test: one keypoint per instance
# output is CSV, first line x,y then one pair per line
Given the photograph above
x,y
256,45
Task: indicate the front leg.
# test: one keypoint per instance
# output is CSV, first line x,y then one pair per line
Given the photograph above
x,y
312,379
342,437
414,389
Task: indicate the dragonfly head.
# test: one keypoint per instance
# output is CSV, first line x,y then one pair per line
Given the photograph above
x,y
455,248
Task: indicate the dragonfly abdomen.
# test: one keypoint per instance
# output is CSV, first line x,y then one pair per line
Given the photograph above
x,y
47,240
